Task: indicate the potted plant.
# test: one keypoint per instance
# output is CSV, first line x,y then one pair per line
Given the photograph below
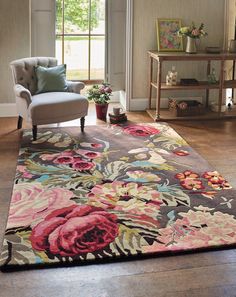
x,y
192,33
100,94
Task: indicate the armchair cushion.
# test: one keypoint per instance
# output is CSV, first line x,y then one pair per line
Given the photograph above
x,y
51,79
56,107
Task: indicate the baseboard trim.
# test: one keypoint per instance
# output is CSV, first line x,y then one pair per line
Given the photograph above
x,y
141,104
8,110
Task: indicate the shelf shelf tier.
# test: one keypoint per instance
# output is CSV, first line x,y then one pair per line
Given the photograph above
x,y
202,85
166,115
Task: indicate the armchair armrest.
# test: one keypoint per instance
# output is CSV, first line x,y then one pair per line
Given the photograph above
x,y
75,87
22,92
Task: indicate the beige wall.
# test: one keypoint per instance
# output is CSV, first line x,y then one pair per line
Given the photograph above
x,y
210,12
14,41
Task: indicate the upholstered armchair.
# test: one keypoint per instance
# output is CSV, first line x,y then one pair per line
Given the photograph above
x,y
49,107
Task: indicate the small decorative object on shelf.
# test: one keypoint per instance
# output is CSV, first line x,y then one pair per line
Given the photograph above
x,y
213,50
192,33
186,108
212,77
230,103
171,78
101,97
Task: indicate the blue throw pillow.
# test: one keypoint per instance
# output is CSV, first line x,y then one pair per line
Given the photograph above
x,y
52,79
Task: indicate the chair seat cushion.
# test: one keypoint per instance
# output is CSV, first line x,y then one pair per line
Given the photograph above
x,y
55,107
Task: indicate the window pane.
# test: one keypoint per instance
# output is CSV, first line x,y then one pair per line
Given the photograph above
x,y
76,57
58,16
97,57
59,49
98,16
76,16
81,17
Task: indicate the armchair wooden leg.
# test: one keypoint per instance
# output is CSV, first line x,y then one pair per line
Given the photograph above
x,y
19,123
82,122
34,130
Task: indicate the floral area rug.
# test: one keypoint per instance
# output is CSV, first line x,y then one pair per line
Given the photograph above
x,y
115,191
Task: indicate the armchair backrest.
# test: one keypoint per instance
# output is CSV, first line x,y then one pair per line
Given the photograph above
x,y
24,72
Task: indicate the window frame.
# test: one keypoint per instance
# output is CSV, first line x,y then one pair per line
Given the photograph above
x,y
62,35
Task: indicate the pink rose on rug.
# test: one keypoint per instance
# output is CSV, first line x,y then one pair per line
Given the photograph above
x,y
196,230
22,169
31,203
50,157
140,130
75,230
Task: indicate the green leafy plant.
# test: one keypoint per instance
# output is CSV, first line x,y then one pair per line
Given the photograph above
x,y
192,31
100,94
77,14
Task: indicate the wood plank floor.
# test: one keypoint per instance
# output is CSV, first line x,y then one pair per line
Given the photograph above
x,y
210,274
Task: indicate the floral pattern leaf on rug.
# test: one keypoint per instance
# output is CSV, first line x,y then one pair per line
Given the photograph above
x,y
114,169
114,191
173,196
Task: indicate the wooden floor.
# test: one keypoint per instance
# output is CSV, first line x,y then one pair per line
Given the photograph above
x,y
210,274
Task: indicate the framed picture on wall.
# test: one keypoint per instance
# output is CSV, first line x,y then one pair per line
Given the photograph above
x,y
167,38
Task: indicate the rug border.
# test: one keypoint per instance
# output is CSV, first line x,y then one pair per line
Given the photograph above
x,y
115,259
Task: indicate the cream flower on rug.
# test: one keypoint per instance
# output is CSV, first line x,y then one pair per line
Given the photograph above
x,y
129,197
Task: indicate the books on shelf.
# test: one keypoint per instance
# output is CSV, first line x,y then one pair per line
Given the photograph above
x,y
188,82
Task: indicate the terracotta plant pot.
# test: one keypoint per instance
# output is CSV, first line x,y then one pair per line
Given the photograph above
x,y
101,111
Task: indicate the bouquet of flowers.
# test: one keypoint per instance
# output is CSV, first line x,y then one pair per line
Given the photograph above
x,y
192,31
100,94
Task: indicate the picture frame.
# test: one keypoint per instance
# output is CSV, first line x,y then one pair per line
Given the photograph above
x,y
167,39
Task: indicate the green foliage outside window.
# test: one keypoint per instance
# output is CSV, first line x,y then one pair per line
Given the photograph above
x,y
76,15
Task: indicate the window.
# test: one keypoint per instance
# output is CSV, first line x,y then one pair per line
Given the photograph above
x,y
80,38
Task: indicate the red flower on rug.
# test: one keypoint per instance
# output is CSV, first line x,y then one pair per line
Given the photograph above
x,y
140,130
75,230
216,181
186,174
88,154
192,184
181,153
83,165
64,160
